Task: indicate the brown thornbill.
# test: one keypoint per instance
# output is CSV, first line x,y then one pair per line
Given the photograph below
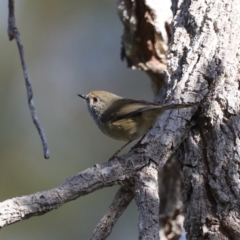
x,y
124,119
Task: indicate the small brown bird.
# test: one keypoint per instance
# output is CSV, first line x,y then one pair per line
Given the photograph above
x,y
124,119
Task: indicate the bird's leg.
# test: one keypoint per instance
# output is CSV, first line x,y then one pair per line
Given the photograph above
x,y
119,150
140,139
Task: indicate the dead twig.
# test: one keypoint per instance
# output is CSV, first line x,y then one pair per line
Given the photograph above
x,y
13,33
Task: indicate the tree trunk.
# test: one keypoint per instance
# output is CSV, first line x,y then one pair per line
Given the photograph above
x,y
207,44
204,50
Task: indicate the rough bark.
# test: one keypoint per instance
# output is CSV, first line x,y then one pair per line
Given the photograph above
x,y
147,200
136,17
97,177
146,37
205,50
204,61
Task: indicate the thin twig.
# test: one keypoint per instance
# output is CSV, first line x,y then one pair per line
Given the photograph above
x,y
115,210
13,33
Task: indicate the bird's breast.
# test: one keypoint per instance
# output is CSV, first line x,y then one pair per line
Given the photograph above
x,y
125,129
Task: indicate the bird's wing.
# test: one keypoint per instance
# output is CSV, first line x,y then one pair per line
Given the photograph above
x,y
125,108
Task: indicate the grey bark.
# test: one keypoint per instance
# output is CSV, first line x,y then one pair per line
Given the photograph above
x,y
107,174
204,61
147,200
135,44
206,42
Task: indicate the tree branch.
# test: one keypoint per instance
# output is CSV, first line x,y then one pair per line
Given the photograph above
x,y
147,199
97,177
119,204
13,33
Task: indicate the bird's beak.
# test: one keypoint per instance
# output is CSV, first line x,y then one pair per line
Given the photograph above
x,y
82,96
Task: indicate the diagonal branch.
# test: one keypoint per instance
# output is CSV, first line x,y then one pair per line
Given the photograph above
x,y
13,33
119,204
147,199
92,179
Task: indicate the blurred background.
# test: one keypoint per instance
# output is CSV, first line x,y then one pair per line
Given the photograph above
x,y
71,47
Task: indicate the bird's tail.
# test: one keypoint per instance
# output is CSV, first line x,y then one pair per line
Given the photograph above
x,y
176,106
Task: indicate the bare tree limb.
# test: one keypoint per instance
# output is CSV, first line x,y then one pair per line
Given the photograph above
x,y
147,199
97,177
119,204
13,33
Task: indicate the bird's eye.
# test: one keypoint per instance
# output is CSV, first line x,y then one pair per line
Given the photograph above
x,y
95,100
